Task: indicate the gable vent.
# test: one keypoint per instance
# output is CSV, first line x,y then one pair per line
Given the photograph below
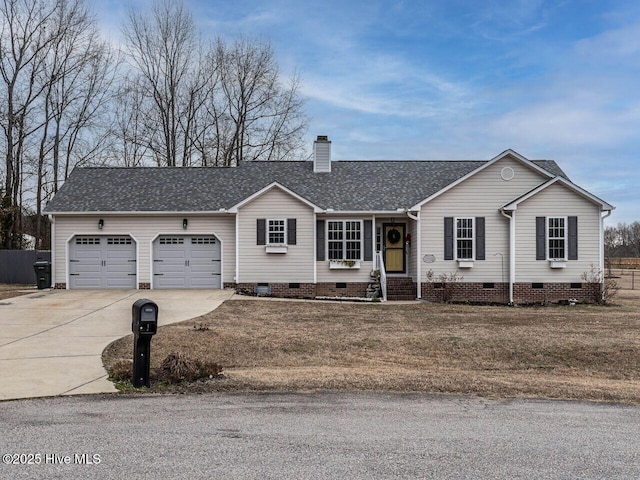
x,y
322,154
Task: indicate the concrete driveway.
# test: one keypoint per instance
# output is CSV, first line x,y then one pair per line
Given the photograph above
x,y
51,341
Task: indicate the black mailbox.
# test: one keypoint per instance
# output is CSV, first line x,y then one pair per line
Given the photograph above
x,y
144,324
144,320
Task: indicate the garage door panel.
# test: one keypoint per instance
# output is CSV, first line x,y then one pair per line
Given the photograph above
x,y
187,262
162,281
102,262
79,280
124,281
209,267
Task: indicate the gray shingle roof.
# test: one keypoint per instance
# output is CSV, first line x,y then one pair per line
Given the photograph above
x,y
350,186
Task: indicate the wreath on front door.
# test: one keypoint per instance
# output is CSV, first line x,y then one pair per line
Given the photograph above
x,y
393,236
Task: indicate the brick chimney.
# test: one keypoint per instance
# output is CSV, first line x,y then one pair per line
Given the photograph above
x,y
322,154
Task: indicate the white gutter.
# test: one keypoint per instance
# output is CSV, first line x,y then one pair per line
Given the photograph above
x,y
416,218
512,251
145,213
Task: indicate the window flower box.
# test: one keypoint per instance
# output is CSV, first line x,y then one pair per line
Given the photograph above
x,y
344,264
465,263
276,249
557,263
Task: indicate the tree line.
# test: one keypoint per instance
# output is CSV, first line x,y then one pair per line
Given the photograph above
x,y
622,240
167,97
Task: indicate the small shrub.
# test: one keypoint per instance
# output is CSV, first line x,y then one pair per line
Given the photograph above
x,y
179,367
445,284
121,371
209,368
602,289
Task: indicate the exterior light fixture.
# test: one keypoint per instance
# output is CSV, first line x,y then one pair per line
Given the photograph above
x,y
185,222
100,224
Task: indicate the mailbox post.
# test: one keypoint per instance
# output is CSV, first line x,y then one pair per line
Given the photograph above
x,y
144,325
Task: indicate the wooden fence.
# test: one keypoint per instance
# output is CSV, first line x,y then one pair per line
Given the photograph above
x,y
16,266
625,263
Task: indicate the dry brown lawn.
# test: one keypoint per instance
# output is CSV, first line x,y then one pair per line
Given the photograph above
x,y
579,352
9,290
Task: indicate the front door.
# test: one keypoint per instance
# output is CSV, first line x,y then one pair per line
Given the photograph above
x,y
394,258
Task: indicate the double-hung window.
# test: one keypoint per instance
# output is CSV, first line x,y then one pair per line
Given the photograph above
x,y
277,232
464,240
556,238
344,239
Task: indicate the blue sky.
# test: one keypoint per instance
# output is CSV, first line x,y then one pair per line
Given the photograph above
x,y
457,79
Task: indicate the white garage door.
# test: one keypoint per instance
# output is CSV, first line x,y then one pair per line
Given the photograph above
x,y
102,262
186,262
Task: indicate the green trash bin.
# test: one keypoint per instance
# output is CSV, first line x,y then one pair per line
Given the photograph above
x,y
43,274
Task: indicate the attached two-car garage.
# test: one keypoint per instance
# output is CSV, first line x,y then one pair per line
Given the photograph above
x,y
178,261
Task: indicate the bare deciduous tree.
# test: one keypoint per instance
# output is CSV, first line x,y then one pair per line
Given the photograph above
x,y
26,37
181,102
213,104
161,46
56,75
264,119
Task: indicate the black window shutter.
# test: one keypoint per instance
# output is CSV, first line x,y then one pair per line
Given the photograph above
x,y
261,231
541,237
448,238
480,243
368,240
320,240
291,231
573,238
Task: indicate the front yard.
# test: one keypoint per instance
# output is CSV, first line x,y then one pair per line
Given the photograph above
x,y
579,352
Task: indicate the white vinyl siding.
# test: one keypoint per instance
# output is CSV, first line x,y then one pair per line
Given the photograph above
x,y
479,196
255,264
556,201
144,229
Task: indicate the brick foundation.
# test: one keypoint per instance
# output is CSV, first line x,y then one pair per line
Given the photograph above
x,y
351,289
60,286
523,293
306,290
554,292
283,290
144,286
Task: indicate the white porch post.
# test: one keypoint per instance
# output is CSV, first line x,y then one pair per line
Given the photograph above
x,y
416,218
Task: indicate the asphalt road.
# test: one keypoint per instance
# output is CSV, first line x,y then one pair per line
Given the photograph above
x,y
323,436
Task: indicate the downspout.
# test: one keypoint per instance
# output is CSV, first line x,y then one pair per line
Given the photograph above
x,y
237,276
52,245
373,241
601,259
512,251
416,218
315,249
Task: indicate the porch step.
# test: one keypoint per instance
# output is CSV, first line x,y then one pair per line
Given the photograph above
x,y
401,288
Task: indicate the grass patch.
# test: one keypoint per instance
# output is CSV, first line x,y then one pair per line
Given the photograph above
x,y
10,290
569,352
